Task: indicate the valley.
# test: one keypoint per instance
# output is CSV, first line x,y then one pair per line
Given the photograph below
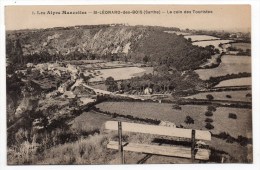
x,y
64,84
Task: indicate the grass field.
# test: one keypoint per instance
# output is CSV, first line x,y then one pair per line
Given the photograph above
x,y
236,82
221,122
240,126
147,70
235,95
243,46
200,37
164,111
89,121
117,73
229,64
215,43
159,111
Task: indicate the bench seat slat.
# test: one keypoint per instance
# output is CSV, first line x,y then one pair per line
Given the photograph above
x,y
158,130
201,154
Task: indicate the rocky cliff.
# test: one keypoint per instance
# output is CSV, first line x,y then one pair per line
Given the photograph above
x,y
132,43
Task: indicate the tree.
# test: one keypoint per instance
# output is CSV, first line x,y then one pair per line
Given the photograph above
x,y
209,126
145,59
209,97
111,84
189,120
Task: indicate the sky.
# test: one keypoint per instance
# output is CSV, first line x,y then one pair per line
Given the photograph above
x,y
223,17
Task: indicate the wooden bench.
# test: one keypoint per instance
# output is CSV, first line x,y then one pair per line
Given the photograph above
x,y
176,151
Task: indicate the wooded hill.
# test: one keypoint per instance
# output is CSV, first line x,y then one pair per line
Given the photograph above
x,y
150,45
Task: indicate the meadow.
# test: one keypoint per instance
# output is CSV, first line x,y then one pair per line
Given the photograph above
x,y
117,73
165,112
243,46
200,37
224,95
244,81
215,43
241,126
229,64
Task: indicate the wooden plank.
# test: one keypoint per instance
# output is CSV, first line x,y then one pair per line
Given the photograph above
x,y
158,130
193,145
183,152
120,146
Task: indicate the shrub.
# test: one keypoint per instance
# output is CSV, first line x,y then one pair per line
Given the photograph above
x,y
243,141
211,108
248,95
189,120
230,139
208,113
209,97
209,120
228,96
177,107
232,116
209,126
223,135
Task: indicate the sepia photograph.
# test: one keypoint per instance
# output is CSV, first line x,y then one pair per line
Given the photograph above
x,y
128,84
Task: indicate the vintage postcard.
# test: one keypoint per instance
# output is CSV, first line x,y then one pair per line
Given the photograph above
x,y
128,84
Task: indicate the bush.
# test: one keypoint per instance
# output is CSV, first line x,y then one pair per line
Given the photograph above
x,y
243,141
228,96
189,120
232,116
223,135
208,113
209,120
249,95
177,107
209,97
211,108
230,139
209,126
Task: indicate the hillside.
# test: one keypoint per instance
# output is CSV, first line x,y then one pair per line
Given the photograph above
x,y
150,45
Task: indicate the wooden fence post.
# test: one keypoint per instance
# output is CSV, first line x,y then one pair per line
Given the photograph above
x,y
120,146
192,145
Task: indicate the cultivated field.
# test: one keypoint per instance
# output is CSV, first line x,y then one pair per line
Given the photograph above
x,y
230,64
236,82
215,43
243,46
117,73
200,37
234,95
